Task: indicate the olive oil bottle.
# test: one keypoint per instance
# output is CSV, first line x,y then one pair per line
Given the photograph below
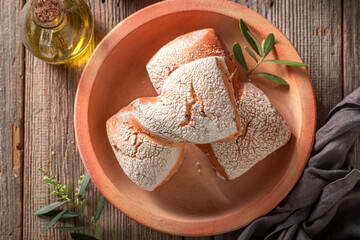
x,y
57,31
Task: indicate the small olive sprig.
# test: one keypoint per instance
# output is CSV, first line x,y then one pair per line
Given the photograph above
x,y
75,202
262,50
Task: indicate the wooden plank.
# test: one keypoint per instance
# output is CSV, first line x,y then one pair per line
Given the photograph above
x,y
314,28
352,58
11,120
50,94
50,140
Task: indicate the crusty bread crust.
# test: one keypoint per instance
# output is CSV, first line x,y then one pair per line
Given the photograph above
x,y
184,49
195,77
197,104
147,161
265,131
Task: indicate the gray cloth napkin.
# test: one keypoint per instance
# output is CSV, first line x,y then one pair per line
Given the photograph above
x,y
325,202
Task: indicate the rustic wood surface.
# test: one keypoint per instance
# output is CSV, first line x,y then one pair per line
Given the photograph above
x,y
37,99
11,121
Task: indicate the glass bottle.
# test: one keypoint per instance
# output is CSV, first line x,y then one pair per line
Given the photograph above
x,y
57,31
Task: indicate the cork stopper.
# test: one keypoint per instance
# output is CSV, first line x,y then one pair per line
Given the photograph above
x,y
46,10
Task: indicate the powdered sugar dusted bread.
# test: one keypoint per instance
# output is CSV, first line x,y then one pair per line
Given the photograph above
x,y
148,161
184,49
264,132
197,104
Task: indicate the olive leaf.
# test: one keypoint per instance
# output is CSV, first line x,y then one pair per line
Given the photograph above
x,y
262,44
100,208
84,183
268,44
50,207
239,55
68,214
257,44
248,50
245,31
272,78
288,63
54,220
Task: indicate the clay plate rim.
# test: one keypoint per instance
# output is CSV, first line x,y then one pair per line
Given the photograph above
x,y
205,226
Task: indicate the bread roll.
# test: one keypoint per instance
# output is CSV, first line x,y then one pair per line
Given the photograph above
x,y
147,160
184,49
195,77
197,104
265,131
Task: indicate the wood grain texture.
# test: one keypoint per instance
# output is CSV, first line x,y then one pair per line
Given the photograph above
x,y
351,55
316,28
11,121
49,138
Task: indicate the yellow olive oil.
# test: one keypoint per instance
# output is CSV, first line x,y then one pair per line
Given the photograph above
x,y
62,39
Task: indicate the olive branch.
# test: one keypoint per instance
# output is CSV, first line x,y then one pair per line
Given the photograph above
x,y
75,203
261,50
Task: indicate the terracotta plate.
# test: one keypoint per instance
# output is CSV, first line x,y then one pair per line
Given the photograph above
x,y
189,203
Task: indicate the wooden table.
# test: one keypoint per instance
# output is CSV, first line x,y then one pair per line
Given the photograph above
x,y
37,103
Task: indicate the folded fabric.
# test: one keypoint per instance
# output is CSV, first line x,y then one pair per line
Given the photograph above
x,y
325,202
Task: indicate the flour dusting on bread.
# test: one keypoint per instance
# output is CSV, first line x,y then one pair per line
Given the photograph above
x,y
146,161
185,49
197,104
195,78
265,131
